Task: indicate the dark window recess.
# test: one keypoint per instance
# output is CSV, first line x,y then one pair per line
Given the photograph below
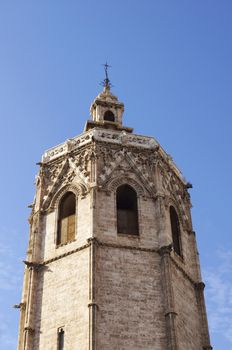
x,y
175,226
109,116
67,218
60,345
127,210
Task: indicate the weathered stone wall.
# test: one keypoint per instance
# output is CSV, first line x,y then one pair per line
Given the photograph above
x,y
62,289
62,301
129,296
188,321
189,260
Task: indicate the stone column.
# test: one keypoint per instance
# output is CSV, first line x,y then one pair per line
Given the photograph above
x,y
28,330
199,287
170,314
92,293
31,277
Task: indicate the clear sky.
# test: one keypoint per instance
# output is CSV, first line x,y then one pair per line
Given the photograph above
x,y
171,66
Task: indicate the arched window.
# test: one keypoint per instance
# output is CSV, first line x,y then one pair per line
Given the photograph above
x,y
175,227
67,218
127,210
109,116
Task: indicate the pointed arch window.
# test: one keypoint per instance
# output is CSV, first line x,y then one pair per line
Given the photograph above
x,y
175,227
127,210
66,219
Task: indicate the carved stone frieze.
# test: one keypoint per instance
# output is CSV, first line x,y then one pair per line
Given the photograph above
x,y
103,135
73,169
128,164
68,146
124,159
51,173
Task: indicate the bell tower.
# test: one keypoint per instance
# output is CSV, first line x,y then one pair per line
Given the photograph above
x,y
106,111
112,261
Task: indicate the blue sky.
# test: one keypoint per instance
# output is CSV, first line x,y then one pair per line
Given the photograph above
x,y
171,66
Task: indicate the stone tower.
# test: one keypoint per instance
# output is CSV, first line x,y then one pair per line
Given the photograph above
x,y
112,262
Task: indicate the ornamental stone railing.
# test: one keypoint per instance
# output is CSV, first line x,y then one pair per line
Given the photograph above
x,y
99,135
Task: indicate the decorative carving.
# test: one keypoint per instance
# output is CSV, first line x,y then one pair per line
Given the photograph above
x,y
115,182
73,170
123,165
51,174
77,189
111,136
21,306
68,146
55,152
81,140
123,160
165,250
29,330
81,163
32,265
200,286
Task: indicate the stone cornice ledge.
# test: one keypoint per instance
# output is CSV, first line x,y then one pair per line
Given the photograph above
x,y
58,257
129,247
93,240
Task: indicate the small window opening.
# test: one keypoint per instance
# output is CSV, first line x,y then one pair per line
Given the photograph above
x,y
109,116
60,340
67,218
175,227
127,210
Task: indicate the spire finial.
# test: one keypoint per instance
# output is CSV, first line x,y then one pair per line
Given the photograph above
x,y
106,82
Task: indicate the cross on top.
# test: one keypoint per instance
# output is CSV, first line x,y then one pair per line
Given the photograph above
x,y
106,83
106,66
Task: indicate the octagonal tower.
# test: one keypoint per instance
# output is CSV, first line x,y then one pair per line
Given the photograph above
x,y
112,261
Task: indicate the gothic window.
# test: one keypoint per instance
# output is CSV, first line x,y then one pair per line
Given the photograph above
x,y
67,219
127,210
60,339
175,227
109,116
